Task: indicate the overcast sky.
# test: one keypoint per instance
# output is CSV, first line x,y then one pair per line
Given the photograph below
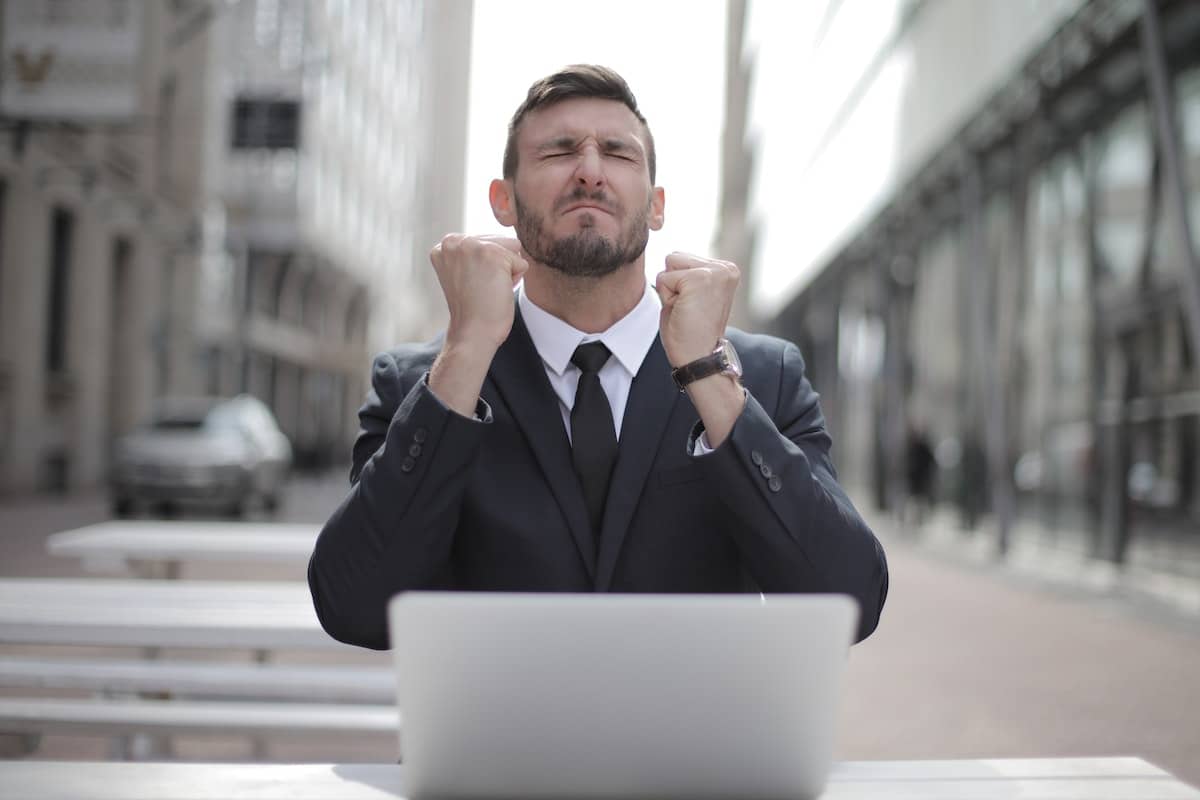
x,y
671,53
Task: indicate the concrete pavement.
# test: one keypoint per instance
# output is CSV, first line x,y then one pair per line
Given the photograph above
x,y
978,661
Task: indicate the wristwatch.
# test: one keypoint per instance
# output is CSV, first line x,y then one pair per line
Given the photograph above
x,y
722,360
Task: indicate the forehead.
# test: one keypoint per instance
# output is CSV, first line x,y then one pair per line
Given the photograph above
x,y
581,117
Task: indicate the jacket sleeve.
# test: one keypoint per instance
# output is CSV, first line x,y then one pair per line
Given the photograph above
x,y
395,529
800,532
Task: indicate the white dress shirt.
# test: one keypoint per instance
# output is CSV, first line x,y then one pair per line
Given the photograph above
x,y
629,339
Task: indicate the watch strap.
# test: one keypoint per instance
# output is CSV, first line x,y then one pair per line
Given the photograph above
x,y
711,364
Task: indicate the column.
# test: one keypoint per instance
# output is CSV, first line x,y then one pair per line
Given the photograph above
x,y
26,238
88,349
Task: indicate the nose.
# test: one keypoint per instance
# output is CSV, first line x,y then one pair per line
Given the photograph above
x,y
590,170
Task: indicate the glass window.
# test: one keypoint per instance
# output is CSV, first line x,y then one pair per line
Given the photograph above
x,y
268,124
1055,324
935,336
1124,158
1187,93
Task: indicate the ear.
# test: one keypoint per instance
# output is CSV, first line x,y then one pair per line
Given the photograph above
x,y
658,202
501,195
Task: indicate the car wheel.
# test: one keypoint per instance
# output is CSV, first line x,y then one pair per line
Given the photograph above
x,y
237,509
272,502
122,507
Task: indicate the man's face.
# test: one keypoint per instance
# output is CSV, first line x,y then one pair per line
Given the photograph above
x,y
581,194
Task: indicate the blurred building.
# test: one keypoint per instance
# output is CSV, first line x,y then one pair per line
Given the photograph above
x,y
980,220
210,197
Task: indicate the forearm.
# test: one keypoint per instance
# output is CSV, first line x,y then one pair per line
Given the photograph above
x,y
458,373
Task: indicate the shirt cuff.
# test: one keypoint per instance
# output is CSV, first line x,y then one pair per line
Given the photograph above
x,y
483,412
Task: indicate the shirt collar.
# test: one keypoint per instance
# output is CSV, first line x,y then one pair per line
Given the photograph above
x,y
629,339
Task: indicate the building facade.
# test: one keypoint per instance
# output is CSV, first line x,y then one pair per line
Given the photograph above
x,y
979,220
213,198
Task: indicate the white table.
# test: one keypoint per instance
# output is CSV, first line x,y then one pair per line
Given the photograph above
x,y
157,548
156,613
1030,779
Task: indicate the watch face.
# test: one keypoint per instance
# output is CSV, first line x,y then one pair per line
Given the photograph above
x,y
731,358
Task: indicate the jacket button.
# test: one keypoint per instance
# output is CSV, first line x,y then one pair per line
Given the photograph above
x,y
420,435
756,457
408,464
414,450
765,469
775,484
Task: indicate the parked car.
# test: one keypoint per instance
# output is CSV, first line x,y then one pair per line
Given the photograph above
x,y
220,452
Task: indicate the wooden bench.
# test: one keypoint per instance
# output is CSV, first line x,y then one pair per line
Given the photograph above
x,y
137,726
260,617
254,700
161,613
1062,778
347,684
153,549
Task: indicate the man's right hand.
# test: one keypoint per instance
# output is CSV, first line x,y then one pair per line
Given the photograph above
x,y
477,275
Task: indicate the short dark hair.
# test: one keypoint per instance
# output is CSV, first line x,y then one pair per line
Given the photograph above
x,y
577,80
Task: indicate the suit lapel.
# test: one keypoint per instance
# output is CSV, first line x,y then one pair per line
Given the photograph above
x,y
653,398
520,378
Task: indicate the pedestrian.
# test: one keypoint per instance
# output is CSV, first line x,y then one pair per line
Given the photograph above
x,y
920,469
576,429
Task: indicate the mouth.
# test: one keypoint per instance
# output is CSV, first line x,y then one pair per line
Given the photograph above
x,y
586,207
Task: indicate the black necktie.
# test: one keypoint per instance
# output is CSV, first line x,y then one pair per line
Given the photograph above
x,y
593,438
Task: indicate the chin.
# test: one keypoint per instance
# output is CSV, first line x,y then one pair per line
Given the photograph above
x,y
592,227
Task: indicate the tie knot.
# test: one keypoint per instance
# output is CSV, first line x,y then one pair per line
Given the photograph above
x,y
590,357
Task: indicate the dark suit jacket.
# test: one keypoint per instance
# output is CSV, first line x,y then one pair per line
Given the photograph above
x,y
442,501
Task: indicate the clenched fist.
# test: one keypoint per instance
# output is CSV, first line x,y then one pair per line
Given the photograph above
x,y
697,296
477,275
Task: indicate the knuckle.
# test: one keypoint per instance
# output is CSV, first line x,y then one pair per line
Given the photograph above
x,y
451,243
475,246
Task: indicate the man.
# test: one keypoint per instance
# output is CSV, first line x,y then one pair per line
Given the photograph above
x,y
514,453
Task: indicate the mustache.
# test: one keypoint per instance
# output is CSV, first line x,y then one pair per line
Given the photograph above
x,y
581,195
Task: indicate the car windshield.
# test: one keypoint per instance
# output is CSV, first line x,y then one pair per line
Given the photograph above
x,y
177,423
213,418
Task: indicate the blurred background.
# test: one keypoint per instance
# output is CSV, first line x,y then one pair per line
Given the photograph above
x,y
979,219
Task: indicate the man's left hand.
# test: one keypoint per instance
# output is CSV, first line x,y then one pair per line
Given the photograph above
x,y
697,296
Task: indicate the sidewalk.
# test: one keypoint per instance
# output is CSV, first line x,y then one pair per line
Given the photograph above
x,y
1061,560
975,659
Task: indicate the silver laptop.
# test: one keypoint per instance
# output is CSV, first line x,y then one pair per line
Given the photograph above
x,y
618,696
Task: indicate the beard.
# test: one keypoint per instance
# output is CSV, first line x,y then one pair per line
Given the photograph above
x,y
586,253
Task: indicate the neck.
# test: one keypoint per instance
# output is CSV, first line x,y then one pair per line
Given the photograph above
x,y
592,305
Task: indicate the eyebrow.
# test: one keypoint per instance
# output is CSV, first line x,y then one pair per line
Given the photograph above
x,y
564,142
615,145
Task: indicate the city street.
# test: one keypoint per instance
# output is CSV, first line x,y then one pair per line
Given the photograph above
x,y
969,660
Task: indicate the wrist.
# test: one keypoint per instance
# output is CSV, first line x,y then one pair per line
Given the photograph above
x,y
719,360
457,375
692,351
473,338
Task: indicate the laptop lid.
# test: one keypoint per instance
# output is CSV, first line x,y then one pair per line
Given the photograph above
x,y
600,695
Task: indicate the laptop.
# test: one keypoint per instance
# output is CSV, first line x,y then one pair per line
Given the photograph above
x,y
618,696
